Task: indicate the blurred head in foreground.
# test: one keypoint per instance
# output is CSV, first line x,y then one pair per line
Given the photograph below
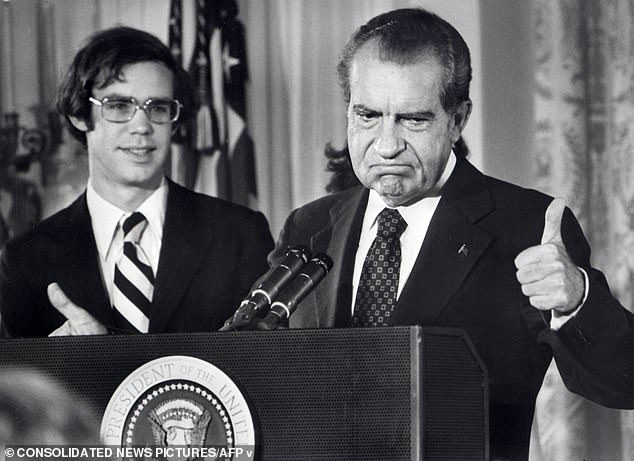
x,y
37,410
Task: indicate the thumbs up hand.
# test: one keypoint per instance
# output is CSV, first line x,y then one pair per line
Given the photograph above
x,y
79,322
547,275
552,222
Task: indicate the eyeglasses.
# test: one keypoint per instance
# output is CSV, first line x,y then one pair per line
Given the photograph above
x,y
121,110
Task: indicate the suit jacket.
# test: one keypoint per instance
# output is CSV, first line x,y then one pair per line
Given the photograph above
x,y
211,253
477,290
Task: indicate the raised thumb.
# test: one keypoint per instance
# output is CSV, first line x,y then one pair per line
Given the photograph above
x,y
60,301
552,221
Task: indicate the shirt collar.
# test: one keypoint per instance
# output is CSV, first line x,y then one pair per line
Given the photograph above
x,y
153,208
105,216
410,213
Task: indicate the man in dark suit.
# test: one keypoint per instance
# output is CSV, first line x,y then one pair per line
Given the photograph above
x,y
508,265
135,252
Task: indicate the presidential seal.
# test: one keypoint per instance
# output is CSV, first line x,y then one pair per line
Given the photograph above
x,y
179,408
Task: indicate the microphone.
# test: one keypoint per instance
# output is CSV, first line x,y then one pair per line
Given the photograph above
x,y
263,294
286,303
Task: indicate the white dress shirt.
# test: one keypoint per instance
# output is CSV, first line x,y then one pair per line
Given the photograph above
x,y
105,219
417,216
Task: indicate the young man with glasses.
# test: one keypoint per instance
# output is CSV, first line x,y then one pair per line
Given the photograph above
x,y
135,252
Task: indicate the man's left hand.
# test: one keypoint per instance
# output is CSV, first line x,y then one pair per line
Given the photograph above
x,y
547,275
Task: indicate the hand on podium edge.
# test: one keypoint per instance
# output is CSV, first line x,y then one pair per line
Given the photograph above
x,y
79,321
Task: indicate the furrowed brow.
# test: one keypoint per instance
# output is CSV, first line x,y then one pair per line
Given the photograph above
x,y
422,115
361,109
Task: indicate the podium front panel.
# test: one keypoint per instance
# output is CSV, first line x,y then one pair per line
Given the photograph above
x,y
344,394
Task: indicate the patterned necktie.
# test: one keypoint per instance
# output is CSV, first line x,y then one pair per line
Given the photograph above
x,y
133,279
378,286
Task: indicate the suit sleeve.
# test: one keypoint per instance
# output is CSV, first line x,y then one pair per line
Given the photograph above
x,y
254,255
277,252
284,242
594,351
16,301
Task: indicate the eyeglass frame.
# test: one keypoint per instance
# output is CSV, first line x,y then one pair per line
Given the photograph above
x,y
102,102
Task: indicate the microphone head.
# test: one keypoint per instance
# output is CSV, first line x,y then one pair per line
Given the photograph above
x,y
300,250
267,288
325,261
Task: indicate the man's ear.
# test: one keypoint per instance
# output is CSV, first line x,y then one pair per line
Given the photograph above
x,y
461,116
78,123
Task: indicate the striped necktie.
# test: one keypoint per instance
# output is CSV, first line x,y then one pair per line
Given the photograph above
x,y
133,279
378,286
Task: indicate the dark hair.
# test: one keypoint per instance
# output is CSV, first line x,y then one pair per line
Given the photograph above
x,y
99,63
340,166
403,36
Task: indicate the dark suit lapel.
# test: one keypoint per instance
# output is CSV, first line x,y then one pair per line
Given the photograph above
x,y
333,296
80,276
186,235
453,244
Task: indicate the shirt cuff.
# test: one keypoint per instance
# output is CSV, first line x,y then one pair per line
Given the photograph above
x,y
557,320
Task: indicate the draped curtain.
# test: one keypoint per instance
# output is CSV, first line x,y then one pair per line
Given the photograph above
x,y
583,110
584,151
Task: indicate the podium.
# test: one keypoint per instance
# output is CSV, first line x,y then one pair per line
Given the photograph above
x,y
396,393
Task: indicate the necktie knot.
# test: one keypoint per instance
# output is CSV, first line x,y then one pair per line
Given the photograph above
x,y
391,224
133,227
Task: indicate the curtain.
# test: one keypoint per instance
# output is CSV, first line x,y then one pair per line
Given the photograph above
x,y
584,145
583,109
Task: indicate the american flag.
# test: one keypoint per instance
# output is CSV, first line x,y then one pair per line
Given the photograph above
x,y
223,153
180,159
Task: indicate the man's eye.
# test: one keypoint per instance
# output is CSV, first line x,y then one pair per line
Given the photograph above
x,y
160,109
122,106
367,117
415,122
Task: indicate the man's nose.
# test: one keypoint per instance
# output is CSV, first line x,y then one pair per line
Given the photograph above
x,y
141,123
388,144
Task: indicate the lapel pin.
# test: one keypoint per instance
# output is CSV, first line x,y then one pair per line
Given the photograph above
x,y
464,251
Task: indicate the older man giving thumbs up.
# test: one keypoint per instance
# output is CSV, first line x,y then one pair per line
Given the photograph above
x,y
427,239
